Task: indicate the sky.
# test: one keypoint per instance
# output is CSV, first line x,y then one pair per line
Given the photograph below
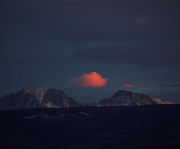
x,y
90,49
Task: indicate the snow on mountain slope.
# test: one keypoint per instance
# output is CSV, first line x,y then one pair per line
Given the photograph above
x,y
126,98
37,98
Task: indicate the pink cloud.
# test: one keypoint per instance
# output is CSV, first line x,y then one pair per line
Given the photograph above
x,y
126,85
92,79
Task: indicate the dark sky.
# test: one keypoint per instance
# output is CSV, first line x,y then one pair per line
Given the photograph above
x,y
130,44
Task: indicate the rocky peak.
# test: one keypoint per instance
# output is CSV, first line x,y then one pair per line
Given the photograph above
x,y
37,92
122,98
37,97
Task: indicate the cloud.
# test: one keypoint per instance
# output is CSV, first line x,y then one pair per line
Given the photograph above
x,y
126,85
92,79
142,20
169,85
147,56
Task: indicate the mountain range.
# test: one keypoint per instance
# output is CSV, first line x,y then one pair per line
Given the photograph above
x,y
44,97
38,97
43,119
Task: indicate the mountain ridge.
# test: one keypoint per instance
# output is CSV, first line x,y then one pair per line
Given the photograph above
x,y
125,98
37,97
40,97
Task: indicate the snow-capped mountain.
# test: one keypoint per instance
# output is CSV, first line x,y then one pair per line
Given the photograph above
x,y
126,98
44,97
36,98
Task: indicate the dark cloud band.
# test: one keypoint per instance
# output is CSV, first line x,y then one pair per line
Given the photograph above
x,y
147,56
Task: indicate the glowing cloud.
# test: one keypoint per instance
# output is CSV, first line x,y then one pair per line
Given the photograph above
x,y
128,85
92,79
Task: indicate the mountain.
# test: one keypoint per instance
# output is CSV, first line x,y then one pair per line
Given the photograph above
x,y
37,98
44,97
126,98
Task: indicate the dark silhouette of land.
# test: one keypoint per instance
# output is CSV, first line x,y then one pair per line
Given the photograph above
x,y
126,127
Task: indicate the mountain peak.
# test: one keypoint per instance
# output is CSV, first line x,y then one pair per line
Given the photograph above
x,y
37,97
37,92
122,92
44,97
35,89
123,97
